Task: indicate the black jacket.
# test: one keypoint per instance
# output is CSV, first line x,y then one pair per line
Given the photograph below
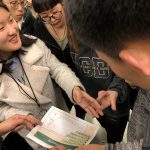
x,y
27,26
42,33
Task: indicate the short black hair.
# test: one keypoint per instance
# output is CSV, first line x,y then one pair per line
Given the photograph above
x,y
43,5
2,5
107,25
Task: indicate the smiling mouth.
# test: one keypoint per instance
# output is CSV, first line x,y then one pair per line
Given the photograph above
x,y
14,39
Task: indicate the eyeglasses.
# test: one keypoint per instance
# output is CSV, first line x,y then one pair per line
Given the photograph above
x,y
54,15
15,4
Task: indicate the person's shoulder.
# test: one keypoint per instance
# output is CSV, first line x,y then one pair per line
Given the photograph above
x,y
39,44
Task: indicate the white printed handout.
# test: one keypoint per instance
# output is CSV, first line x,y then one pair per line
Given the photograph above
x,y
61,128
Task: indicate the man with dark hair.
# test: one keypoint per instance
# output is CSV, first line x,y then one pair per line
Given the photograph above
x,y
119,30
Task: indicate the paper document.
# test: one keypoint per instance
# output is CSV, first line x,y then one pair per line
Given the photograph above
x,y
61,128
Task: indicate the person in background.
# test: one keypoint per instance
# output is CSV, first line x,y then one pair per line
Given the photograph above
x,y
52,30
27,69
29,7
51,26
21,15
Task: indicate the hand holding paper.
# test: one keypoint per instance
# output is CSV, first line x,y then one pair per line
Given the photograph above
x,y
61,128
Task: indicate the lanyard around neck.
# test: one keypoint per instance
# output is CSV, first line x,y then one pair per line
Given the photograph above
x,y
25,93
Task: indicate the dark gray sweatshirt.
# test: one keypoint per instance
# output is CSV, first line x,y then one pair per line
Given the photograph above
x,y
138,134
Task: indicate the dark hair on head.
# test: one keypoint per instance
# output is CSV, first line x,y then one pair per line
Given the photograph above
x,y
43,5
26,40
2,5
107,25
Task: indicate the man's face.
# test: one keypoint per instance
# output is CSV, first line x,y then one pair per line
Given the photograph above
x,y
16,8
125,70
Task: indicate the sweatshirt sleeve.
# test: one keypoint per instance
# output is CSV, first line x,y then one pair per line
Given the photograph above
x,y
61,73
135,145
120,86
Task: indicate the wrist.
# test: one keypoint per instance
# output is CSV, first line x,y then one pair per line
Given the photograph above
x,y
76,90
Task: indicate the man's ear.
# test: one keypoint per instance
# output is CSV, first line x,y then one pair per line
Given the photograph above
x,y
139,61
